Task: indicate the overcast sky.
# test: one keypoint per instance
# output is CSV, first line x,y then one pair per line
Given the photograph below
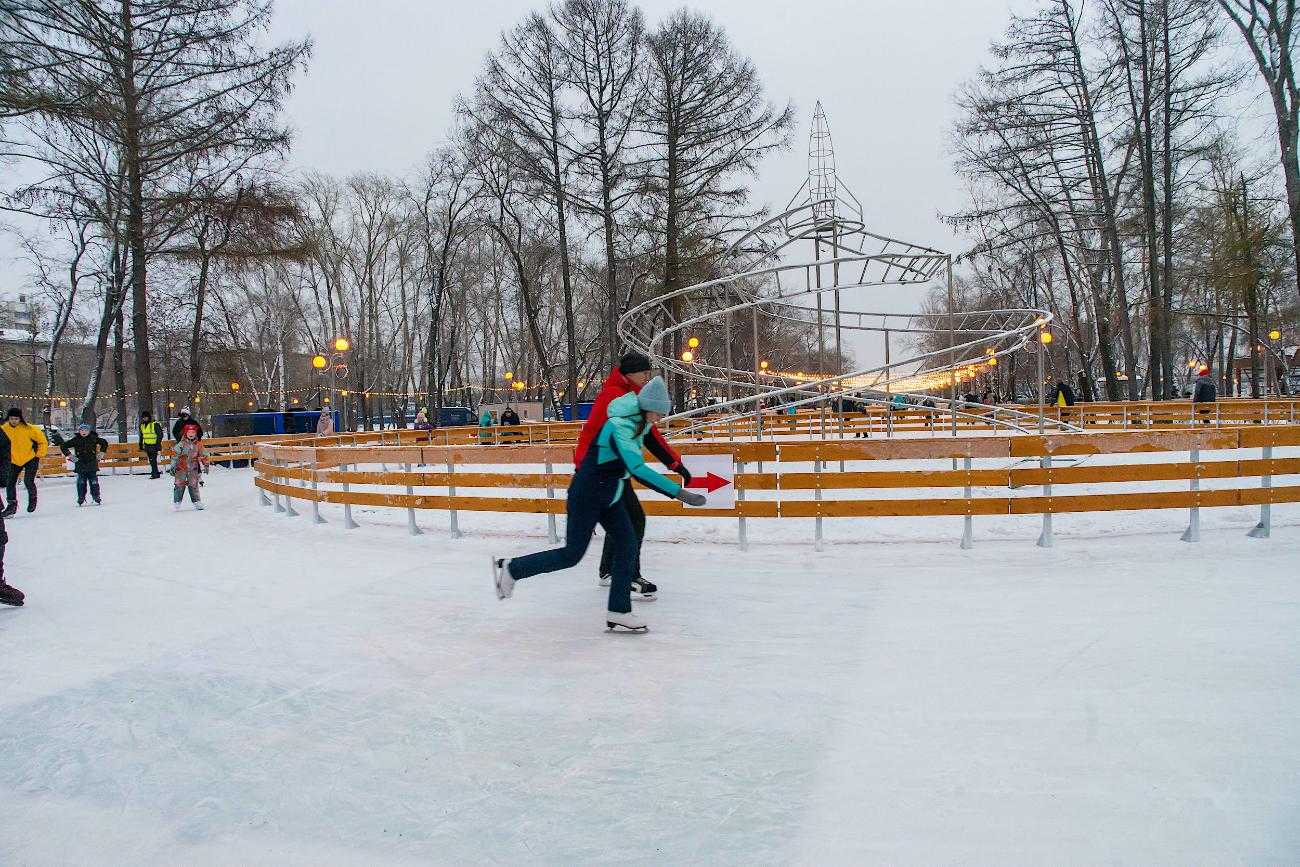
x,y
386,72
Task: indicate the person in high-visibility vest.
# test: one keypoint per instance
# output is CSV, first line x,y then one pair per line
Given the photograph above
x,y
27,445
150,439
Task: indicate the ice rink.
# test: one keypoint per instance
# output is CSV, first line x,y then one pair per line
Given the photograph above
x,y
238,687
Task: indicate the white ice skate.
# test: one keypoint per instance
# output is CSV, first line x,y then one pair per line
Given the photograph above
x,y
616,621
176,507
505,585
606,580
198,506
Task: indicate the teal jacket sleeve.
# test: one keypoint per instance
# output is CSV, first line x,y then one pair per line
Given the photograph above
x,y
622,432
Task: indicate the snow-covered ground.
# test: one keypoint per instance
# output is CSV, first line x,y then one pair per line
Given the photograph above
x,y
238,687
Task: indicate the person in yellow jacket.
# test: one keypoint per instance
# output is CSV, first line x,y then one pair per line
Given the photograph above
x,y
27,445
150,440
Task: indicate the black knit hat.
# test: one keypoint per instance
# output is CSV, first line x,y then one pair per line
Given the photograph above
x,y
14,412
633,362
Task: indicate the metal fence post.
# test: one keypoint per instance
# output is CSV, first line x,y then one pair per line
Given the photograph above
x,y
1265,525
966,541
1045,537
740,498
410,510
817,494
451,492
348,523
315,490
550,516
1193,531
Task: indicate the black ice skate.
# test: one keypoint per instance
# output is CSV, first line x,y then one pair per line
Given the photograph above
x,y
644,589
10,595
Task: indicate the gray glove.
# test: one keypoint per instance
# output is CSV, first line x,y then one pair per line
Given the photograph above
x,y
690,498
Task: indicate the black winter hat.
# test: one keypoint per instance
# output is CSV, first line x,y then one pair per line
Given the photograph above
x,y
15,412
633,362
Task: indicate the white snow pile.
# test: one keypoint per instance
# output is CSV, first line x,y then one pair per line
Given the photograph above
x,y
239,687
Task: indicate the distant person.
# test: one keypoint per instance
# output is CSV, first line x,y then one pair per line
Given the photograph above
x,y
422,421
1064,394
1204,393
183,419
86,446
485,423
150,437
27,445
189,462
9,595
325,423
1082,378
509,416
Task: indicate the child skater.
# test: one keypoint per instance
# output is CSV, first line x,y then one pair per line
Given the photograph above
x,y
595,497
87,445
188,462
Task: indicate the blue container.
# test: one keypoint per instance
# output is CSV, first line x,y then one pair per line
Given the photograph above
x,y
584,411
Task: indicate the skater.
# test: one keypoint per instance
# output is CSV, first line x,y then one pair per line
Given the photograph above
x,y
88,446
1064,394
324,423
596,497
188,462
422,421
1204,395
9,595
183,419
150,437
631,374
27,445
485,423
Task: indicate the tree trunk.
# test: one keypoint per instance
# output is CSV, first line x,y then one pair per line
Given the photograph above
x,y
135,215
119,377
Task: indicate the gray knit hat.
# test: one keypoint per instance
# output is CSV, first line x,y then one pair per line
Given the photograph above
x,y
653,397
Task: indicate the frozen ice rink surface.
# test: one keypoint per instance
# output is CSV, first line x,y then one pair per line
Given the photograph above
x,y
236,687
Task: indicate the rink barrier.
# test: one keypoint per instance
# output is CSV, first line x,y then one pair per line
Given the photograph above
x,y
327,471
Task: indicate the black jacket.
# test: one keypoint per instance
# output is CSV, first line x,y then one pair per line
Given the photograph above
x,y
1205,391
88,449
181,422
510,417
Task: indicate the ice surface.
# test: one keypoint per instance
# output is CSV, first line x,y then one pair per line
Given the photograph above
x,y
238,687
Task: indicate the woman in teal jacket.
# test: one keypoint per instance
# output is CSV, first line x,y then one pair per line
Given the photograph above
x,y
596,497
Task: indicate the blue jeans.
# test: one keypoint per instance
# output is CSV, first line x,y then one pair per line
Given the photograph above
x,y
85,480
587,505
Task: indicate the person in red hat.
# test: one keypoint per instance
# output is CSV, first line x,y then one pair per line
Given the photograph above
x,y
1204,392
631,373
188,463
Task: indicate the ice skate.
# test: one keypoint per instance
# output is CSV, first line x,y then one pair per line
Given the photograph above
x,y
176,507
10,595
617,621
606,580
643,589
198,506
505,584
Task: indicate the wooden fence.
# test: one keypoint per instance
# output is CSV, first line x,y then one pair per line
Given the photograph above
x,y
1018,475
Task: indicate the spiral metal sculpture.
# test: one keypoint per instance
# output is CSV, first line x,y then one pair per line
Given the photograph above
x,y
830,295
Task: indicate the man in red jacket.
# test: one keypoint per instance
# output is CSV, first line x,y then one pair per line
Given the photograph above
x,y
632,372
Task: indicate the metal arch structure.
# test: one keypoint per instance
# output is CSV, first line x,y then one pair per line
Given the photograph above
x,y
830,293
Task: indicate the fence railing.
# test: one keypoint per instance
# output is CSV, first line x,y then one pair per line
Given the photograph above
x,y
1015,475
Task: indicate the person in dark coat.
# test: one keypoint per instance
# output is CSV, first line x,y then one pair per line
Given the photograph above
x,y
183,419
1064,394
509,416
150,437
9,594
628,377
1205,390
87,446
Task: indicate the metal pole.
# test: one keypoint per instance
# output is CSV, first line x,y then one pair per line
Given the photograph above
x,y
966,532
740,497
1265,525
758,379
1042,396
1193,531
451,492
817,494
550,516
952,348
889,406
410,510
348,523
1045,537
315,490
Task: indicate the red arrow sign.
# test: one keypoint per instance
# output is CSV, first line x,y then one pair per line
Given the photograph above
x,y
709,482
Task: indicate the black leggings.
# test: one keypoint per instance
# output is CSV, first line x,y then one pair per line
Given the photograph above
x,y
28,472
636,515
